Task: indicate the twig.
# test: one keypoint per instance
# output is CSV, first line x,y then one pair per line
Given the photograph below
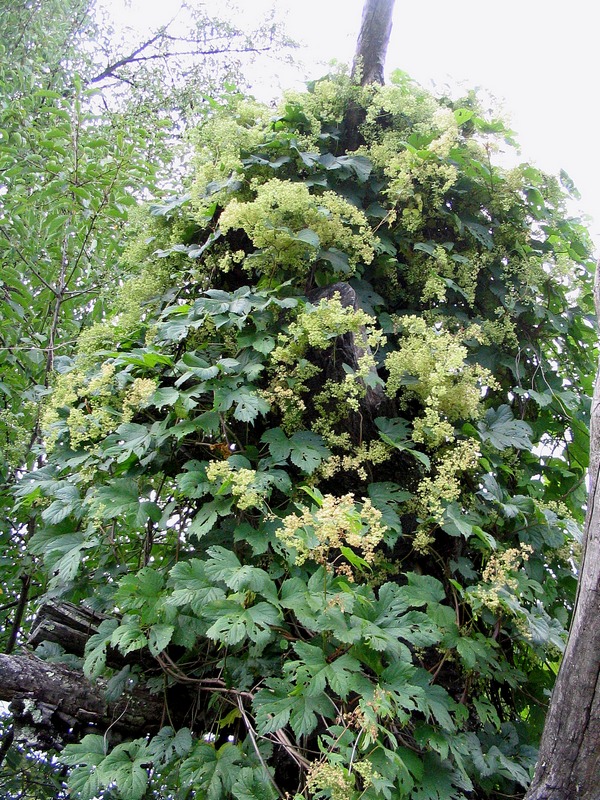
x,y
252,734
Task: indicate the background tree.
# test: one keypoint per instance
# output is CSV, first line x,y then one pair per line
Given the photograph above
x,y
315,480
75,152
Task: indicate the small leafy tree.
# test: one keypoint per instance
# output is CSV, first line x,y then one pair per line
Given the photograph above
x,y
71,167
322,467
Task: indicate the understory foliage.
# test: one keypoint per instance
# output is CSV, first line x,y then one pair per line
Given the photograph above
x,y
348,531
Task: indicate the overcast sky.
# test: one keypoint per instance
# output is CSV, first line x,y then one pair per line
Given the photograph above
x,y
539,58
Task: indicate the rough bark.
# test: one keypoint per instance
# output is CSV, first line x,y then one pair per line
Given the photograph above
x,y
369,62
373,39
52,704
569,761
65,624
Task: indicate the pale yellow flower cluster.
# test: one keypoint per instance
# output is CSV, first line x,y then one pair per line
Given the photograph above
x,y
94,420
374,452
434,361
241,482
337,522
318,327
96,406
137,396
445,486
501,573
323,775
279,214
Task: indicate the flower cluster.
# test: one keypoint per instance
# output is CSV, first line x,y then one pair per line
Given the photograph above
x,y
337,522
137,396
291,226
318,326
333,778
445,486
430,365
245,485
96,406
90,416
500,575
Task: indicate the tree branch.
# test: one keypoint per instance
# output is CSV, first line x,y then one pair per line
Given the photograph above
x,y
61,704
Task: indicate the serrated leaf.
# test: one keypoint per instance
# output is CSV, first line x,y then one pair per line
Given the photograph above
x,y
84,784
91,750
95,648
123,766
279,444
306,711
67,502
502,430
128,637
395,432
166,396
253,785
159,637
273,706
308,450
248,405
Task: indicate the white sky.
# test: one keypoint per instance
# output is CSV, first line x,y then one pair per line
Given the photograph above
x,y
539,58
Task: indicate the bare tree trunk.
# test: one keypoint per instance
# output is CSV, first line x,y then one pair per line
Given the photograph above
x,y
569,761
373,39
369,62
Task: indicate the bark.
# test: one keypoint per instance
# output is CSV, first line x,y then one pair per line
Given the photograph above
x,y
52,704
65,624
373,39
569,761
369,62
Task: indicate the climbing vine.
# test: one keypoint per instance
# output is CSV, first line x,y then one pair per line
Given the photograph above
x,y
324,464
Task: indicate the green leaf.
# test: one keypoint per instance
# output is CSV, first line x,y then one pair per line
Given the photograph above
x,y
159,637
165,396
67,502
253,785
124,765
279,444
395,432
462,115
224,566
248,405
308,236
119,497
273,705
502,430
95,648
308,450
84,783
128,637
91,750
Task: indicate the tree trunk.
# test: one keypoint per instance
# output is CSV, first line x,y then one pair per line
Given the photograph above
x,y
52,704
369,62
569,761
373,39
